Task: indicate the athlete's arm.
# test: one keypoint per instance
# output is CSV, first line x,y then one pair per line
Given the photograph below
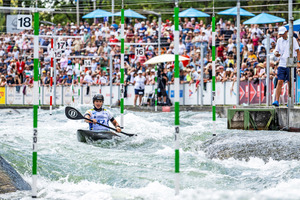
x,y
115,123
87,115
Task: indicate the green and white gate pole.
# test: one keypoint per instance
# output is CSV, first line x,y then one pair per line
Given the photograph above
x,y
40,84
79,83
177,88
73,85
122,67
213,73
35,103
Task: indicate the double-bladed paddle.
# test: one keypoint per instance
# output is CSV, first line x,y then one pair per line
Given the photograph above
x,y
74,114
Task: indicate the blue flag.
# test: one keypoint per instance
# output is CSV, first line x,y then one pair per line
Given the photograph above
x,y
105,19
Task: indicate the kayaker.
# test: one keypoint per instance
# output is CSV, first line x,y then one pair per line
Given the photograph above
x,y
100,115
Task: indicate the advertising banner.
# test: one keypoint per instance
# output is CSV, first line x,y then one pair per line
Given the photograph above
x,y
67,91
220,98
11,24
230,93
28,98
129,99
2,95
190,94
14,95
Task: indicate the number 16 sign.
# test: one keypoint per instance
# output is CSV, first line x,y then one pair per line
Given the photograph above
x,y
24,22
139,51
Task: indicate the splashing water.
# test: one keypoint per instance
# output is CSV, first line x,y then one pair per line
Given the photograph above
x,y
139,167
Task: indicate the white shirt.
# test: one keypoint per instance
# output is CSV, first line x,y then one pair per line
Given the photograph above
x,y
88,78
139,82
103,79
256,30
283,48
181,48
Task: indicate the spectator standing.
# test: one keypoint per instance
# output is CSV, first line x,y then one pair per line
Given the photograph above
x,y
282,51
139,87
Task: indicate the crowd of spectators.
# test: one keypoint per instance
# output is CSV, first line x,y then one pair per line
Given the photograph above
x,y
16,52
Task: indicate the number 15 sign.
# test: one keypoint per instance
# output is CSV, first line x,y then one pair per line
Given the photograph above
x,y
24,22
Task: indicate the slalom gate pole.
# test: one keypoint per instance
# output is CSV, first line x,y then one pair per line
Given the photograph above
x,y
51,75
79,84
72,84
35,103
213,74
40,83
122,67
177,88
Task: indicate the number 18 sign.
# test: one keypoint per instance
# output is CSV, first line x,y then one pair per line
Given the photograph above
x,y
24,22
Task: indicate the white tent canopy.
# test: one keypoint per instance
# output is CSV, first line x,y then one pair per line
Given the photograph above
x,y
164,58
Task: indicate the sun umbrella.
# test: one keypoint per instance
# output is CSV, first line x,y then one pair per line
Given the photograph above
x,y
296,25
192,12
98,14
264,18
131,14
233,11
164,58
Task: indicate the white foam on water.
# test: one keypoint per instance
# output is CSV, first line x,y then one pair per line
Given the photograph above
x,y
284,190
139,167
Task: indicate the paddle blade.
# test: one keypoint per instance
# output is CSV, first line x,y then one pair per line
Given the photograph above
x,y
72,113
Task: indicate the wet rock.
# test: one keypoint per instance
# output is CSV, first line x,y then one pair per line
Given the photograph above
x,y
10,180
264,145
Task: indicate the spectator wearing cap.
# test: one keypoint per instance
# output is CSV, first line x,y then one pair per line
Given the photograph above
x,y
221,74
29,62
151,77
182,48
15,53
104,79
251,56
142,29
196,39
204,41
139,87
68,80
86,36
10,80
185,62
282,51
28,71
188,41
187,75
28,81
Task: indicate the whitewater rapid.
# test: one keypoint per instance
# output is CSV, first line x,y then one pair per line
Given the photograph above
x,y
139,167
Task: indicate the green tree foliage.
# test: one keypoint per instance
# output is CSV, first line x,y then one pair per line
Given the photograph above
x,y
66,9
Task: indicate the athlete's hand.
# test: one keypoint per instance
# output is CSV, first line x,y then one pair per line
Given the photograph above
x,y
118,129
94,121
